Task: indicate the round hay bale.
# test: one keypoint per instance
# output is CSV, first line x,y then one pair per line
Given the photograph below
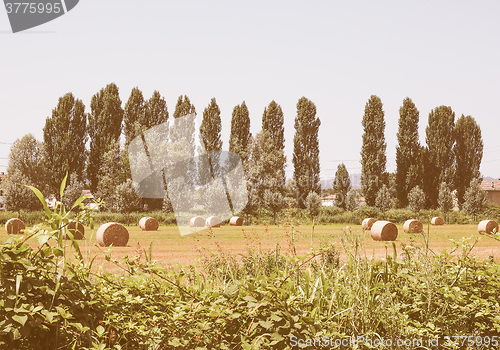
x,y
148,223
367,223
413,226
213,221
112,233
197,221
487,226
437,221
384,231
14,226
76,228
236,221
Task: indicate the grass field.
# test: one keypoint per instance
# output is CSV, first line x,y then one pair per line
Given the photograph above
x,y
170,248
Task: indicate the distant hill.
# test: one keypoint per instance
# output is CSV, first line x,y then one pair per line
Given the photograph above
x,y
492,179
355,182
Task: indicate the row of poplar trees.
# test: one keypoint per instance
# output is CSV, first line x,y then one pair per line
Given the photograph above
x,y
89,146
452,154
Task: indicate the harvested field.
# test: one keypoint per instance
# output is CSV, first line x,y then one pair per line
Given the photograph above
x,y
170,248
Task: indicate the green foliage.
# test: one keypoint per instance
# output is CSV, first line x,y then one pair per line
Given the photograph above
x,y
211,127
41,307
273,201
273,136
105,127
445,198
373,157
313,204
408,154
440,137
306,150
397,215
265,299
352,200
16,195
468,151
383,202
264,174
64,138
73,191
140,115
475,199
416,199
240,141
155,111
182,134
113,172
25,168
125,199
341,187
133,115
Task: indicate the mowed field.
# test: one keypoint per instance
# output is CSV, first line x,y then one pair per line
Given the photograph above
x,y
169,248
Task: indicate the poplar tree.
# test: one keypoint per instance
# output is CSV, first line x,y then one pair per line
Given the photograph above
x,y
341,186
306,151
64,139
182,137
210,139
133,115
105,125
273,131
240,140
440,159
264,175
373,157
156,111
468,151
408,153
211,127
140,115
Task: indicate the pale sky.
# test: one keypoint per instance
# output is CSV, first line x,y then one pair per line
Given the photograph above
x,y
336,53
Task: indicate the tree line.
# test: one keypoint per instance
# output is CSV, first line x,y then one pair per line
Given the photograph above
x,y
92,147
425,176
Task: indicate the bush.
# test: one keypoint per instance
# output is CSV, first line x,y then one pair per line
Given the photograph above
x,y
397,215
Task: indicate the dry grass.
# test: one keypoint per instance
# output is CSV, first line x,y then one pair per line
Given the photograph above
x,y
170,248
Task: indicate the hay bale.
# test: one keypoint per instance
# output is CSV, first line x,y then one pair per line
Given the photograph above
x,y
437,221
213,221
197,221
384,231
112,233
487,226
236,221
413,226
14,226
367,223
76,229
148,223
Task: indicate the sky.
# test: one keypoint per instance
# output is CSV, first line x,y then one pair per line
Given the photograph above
x,y
335,53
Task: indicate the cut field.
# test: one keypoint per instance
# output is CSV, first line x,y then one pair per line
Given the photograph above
x,y
170,248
